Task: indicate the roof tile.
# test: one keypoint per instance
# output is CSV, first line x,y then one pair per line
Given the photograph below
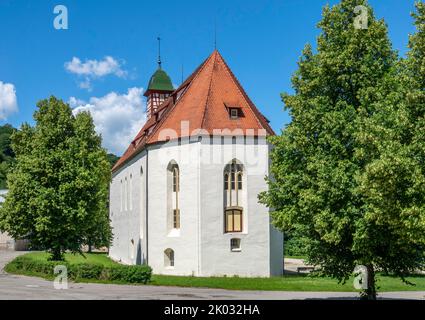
x,y
203,105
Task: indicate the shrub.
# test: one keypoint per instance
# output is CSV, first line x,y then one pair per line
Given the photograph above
x,y
27,264
89,271
294,245
85,271
131,274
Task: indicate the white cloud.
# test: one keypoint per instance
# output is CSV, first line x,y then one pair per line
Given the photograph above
x,y
8,101
86,84
74,102
117,117
94,69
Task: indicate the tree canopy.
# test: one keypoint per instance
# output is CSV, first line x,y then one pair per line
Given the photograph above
x,y
6,153
347,172
58,188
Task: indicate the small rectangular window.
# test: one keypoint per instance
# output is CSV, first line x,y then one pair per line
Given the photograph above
x,y
235,244
234,113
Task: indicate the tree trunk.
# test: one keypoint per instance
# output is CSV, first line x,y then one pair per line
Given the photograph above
x,y
370,292
56,254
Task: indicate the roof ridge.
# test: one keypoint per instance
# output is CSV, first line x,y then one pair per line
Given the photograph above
x,y
209,91
258,116
136,148
205,89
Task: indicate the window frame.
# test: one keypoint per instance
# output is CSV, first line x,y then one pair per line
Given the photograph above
x,y
238,247
176,179
173,201
234,113
239,181
169,254
231,211
176,218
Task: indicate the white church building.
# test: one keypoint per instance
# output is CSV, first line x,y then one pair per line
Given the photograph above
x,y
184,195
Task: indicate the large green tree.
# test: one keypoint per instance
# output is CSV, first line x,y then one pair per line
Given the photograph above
x,y
328,179
58,189
393,182
6,153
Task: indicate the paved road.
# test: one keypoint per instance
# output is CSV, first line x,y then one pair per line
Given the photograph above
x,y
20,287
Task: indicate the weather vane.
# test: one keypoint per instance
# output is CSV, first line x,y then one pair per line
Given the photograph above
x,y
159,52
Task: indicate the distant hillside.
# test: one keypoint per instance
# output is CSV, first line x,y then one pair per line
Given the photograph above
x,y
112,159
7,156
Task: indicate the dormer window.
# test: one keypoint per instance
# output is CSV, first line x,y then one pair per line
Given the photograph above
x,y
234,113
234,109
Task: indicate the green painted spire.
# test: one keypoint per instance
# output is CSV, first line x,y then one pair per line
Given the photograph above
x,y
160,81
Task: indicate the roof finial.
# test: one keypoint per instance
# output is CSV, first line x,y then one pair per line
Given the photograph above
x,y
159,52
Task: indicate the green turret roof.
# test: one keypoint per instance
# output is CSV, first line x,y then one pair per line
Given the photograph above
x,y
160,81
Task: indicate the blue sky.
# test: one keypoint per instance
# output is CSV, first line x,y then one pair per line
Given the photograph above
x,y
260,40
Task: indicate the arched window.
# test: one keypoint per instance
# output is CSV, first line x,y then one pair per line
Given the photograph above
x,y
176,179
125,194
233,185
173,196
239,179
132,249
176,190
169,258
130,193
121,196
233,177
142,205
226,181
232,180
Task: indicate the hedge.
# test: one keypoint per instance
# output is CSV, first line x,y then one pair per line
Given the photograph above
x,y
89,271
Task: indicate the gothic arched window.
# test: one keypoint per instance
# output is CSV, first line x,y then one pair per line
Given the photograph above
x,y
130,193
233,185
121,196
126,194
173,196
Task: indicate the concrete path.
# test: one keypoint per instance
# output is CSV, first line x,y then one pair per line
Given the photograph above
x,y
291,265
21,287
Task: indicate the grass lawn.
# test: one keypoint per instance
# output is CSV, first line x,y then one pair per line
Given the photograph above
x,y
285,283
98,258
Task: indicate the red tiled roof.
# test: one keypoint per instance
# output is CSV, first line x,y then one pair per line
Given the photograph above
x,y
202,101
